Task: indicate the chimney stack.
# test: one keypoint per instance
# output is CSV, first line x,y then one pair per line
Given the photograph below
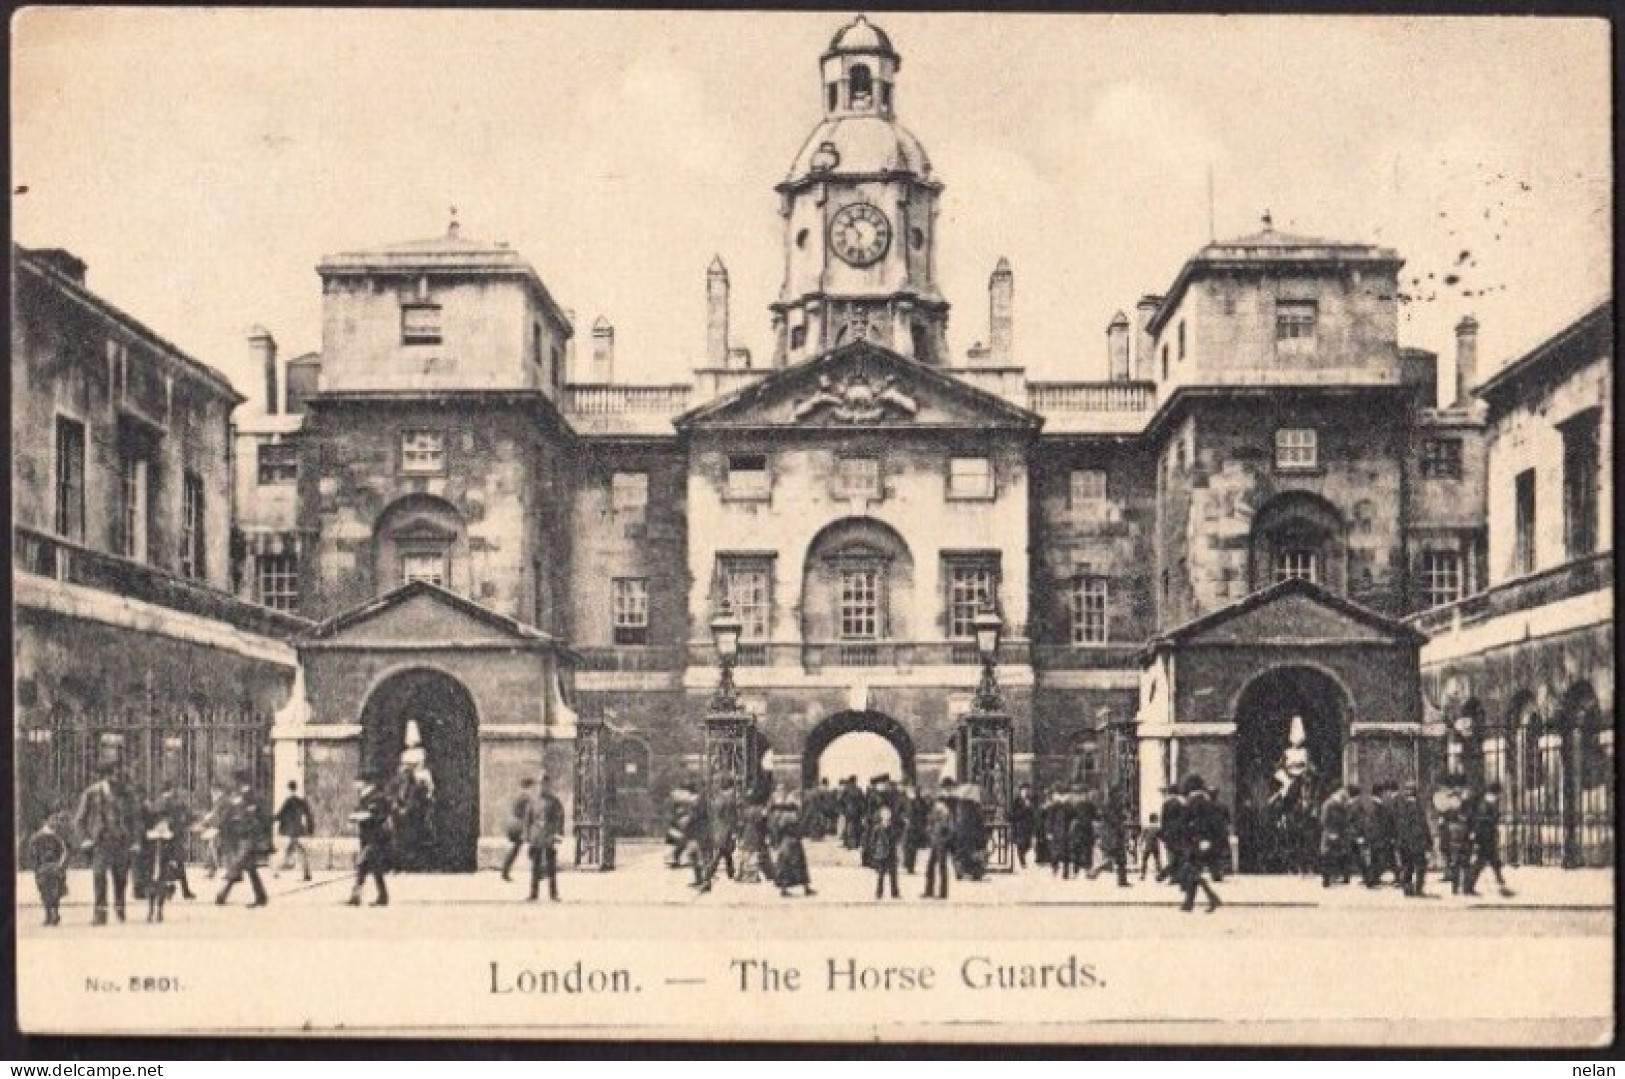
x,y
1145,362
63,262
1001,317
717,353
603,351
571,371
1466,359
262,353
1117,345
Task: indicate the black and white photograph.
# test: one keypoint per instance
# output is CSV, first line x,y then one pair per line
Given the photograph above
x,y
678,525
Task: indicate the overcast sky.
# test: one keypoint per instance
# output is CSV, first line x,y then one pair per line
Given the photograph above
x,y
203,161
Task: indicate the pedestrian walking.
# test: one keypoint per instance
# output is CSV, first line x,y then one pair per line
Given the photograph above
x,y
1023,822
173,808
48,855
881,837
544,829
1384,835
1151,845
755,859
917,808
244,834
1204,836
1484,838
789,855
1173,833
374,818
1414,840
106,821
1058,827
1335,857
161,874
518,814
1113,835
294,822
940,835
723,827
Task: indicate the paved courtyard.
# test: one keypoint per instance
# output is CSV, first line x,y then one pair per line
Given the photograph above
x,y
642,899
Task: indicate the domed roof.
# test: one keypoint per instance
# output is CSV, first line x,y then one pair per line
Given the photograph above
x,y
861,35
847,145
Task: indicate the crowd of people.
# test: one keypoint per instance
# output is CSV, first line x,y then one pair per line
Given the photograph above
x,y
138,845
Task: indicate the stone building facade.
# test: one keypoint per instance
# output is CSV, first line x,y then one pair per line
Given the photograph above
x,y
127,643
1520,675
1263,512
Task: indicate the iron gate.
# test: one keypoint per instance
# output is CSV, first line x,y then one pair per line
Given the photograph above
x,y
196,750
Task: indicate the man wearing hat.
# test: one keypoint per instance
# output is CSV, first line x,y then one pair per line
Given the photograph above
x,y
293,823
1484,839
940,834
1023,822
1414,840
723,820
518,813
373,818
916,829
881,836
245,831
1335,859
1058,827
1173,834
106,821
543,831
1204,837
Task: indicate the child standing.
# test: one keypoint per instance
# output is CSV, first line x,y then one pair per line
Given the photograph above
x,y
48,853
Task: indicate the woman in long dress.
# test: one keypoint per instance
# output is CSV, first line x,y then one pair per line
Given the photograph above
x,y
789,856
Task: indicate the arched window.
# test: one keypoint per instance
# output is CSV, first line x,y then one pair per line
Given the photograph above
x,y
857,584
421,538
1299,535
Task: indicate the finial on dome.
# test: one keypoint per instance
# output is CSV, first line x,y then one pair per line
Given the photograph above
x,y
1269,222
451,229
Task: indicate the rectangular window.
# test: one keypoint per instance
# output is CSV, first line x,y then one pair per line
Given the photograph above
x,y
194,542
429,566
748,584
1296,562
420,324
970,477
1295,320
748,477
1088,487
629,492
860,477
973,587
1088,609
1441,578
278,581
1580,481
278,462
134,481
423,451
70,478
1296,449
1441,458
631,610
1523,547
860,603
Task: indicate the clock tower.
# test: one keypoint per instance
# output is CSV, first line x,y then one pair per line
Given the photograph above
x,y
860,218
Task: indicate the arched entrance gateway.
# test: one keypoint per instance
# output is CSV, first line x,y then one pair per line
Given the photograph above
x,y
857,743
1286,717
425,720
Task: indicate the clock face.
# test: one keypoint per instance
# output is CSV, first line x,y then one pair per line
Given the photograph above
x,y
860,233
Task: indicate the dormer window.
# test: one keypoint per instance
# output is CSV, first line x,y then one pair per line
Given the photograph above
x,y
420,324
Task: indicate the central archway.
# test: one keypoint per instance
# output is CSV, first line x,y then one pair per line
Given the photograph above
x,y
445,836
1264,713
852,722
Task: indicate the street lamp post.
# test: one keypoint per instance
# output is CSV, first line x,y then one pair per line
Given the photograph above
x,y
730,731
987,740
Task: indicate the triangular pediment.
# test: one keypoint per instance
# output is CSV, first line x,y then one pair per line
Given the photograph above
x,y
1294,612
422,613
860,385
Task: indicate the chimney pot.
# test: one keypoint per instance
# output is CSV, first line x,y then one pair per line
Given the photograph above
x,y
1001,319
262,352
603,351
1117,348
1466,358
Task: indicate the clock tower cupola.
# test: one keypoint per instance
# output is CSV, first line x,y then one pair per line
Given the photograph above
x,y
860,217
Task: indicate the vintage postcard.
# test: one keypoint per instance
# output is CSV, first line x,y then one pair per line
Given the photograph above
x,y
660,525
